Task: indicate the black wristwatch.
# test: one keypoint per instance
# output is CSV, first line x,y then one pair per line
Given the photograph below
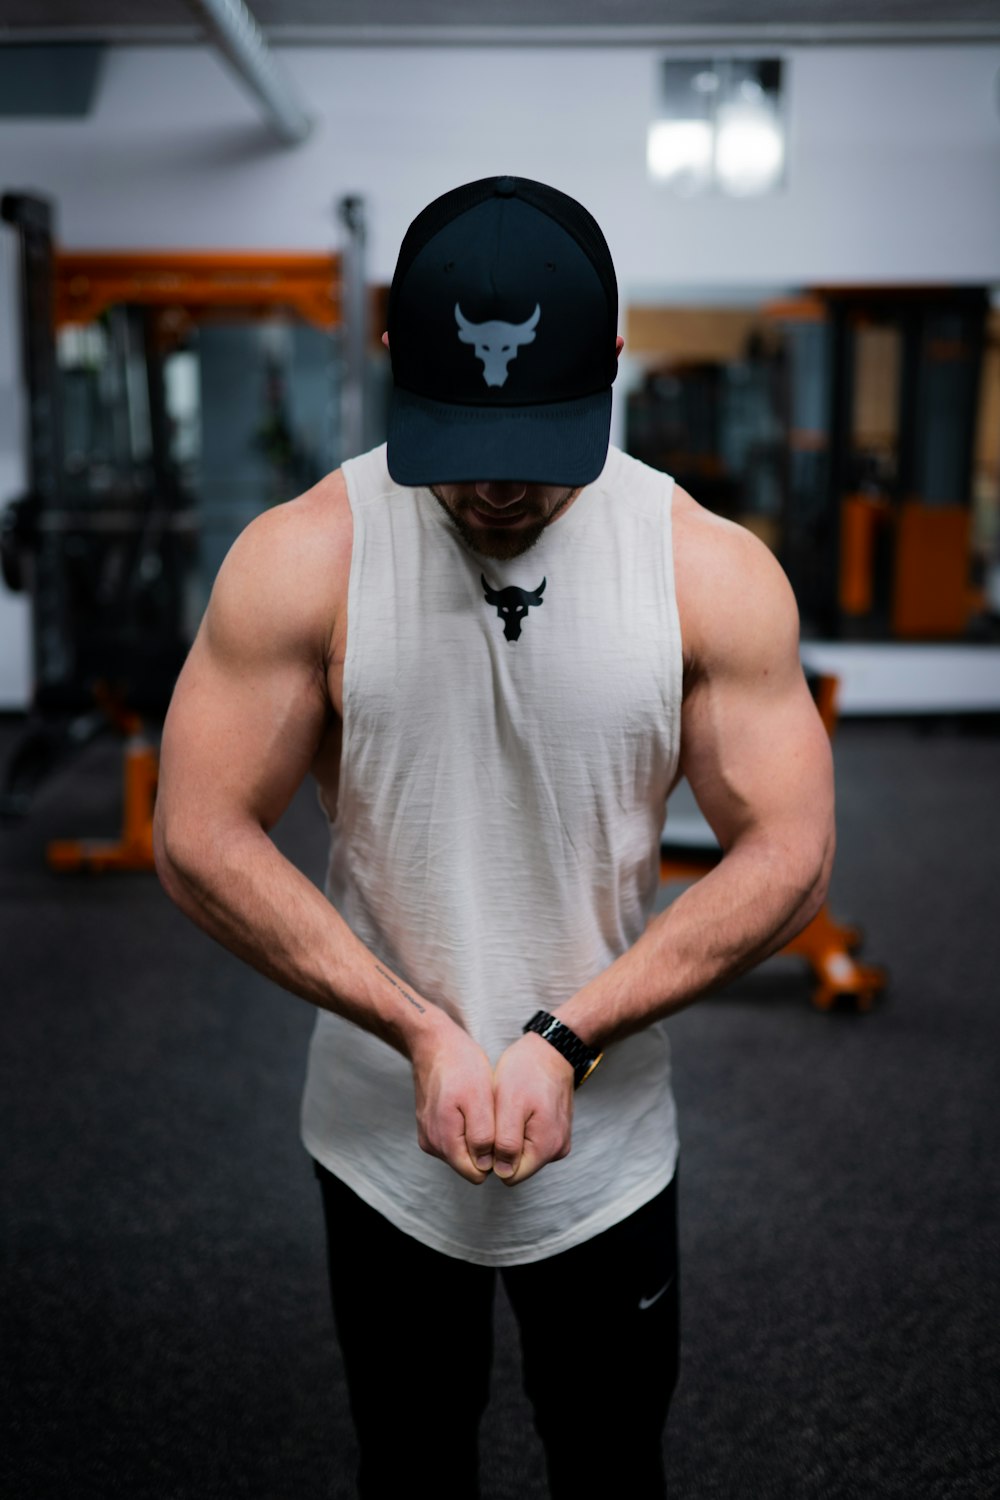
x,y
583,1058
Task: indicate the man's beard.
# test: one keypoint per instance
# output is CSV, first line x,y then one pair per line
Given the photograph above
x,y
501,543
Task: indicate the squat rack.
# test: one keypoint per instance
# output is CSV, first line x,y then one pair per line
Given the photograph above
x,y
106,661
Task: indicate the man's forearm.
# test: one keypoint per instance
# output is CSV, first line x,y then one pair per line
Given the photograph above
x,y
240,889
753,902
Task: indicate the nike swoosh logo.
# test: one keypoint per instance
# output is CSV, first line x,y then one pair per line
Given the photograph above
x,y
645,1302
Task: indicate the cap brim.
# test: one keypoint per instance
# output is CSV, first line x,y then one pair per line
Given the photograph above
x,y
561,442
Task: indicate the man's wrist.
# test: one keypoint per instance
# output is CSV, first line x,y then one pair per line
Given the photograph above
x,y
581,1058
424,1033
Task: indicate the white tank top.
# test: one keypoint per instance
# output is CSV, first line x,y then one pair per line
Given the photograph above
x,y
511,730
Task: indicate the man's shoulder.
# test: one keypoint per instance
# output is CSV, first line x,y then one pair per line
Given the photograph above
x,y
710,540
291,563
302,536
731,589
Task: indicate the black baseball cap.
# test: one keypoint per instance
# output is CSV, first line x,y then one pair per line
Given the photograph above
x,y
503,316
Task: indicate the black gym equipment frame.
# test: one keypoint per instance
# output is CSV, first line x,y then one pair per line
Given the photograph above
x,y
105,579
935,439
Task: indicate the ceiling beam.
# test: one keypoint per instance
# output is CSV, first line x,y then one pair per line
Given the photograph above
x,y
242,43
788,34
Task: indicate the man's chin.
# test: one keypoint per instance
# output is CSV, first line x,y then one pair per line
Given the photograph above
x,y
501,543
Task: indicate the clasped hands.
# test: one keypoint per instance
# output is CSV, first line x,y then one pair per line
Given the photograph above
x,y
509,1120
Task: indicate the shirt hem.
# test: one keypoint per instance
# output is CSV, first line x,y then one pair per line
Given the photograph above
x,y
520,1255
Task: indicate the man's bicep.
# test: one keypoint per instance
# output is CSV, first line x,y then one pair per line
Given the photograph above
x,y
753,747
250,705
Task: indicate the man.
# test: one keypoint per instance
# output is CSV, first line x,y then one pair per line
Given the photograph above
x,y
497,644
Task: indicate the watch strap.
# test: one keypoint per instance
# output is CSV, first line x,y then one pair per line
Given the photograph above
x,y
583,1059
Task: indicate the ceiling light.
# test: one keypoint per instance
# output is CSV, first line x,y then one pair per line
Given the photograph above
x,y
719,127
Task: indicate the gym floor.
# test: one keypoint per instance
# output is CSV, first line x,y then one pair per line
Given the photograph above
x,y
168,1333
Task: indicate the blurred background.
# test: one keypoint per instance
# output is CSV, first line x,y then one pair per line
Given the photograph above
x,y
201,209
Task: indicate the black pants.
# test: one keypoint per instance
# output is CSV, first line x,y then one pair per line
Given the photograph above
x,y
600,1334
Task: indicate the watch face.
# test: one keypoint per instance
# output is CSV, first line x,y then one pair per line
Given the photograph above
x,y
590,1068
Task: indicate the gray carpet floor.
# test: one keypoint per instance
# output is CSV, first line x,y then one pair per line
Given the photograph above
x,y
167,1333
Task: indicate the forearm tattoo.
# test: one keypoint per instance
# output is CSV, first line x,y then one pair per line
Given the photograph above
x,y
415,1003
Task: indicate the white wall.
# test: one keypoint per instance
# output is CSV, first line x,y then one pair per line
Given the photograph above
x,y
893,174
894,165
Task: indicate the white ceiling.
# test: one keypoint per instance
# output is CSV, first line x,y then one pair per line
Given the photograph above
x,y
402,21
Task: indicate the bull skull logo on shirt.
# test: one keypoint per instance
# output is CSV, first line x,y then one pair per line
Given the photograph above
x,y
512,605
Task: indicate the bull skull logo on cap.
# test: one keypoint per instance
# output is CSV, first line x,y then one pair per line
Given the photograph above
x,y
496,343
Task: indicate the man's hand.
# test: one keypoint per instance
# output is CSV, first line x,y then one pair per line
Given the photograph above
x,y
453,1082
533,1106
